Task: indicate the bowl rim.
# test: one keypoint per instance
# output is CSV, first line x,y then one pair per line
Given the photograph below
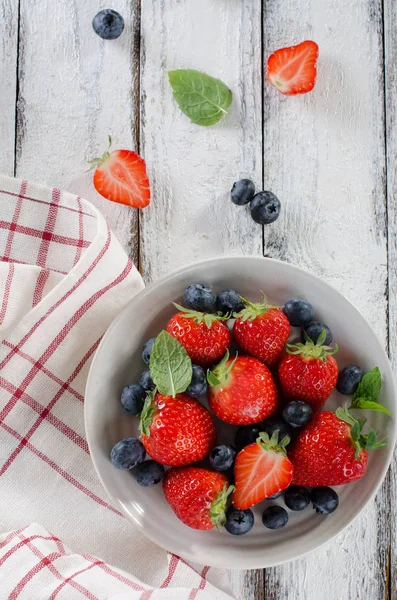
x,y
392,433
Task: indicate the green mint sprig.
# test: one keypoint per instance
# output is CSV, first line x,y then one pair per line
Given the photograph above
x,y
367,393
170,365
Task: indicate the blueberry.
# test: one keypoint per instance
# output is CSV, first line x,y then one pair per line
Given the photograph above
x,y
314,329
200,297
272,425
275,517
242,192
298,312
297,413
297,497
265,208
247,435
348,379
198,385
239,522
325,500
275,496
149,473
133,398
108,24
229,301
127,453
222,457
146,381
147,350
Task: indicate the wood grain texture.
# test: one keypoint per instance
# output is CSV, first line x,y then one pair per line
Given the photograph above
x,y
390,21
74,90
8,67
192,168
324,156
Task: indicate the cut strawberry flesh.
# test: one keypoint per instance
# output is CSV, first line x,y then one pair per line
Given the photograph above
x,y
293,70
259,474
122,178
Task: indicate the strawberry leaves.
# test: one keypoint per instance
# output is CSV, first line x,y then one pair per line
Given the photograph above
x,y
367,393
170,365
361,441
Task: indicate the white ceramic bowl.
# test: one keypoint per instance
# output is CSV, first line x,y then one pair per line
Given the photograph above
x,y
118,363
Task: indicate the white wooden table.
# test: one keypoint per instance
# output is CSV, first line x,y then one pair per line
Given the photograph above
x,y
330,156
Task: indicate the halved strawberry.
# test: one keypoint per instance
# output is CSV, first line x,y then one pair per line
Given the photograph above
x,y
120,176
261,470
293,70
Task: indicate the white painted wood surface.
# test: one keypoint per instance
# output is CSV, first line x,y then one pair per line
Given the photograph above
x,y
324,154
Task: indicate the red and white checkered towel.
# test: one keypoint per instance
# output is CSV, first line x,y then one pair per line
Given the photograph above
x,y
63,278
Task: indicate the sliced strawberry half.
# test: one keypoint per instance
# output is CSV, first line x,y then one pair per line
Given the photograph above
x,y
120,176
261,470
293,70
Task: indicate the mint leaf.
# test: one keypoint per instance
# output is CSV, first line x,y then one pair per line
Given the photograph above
x,y
370,405
170,365
370,385
367,393
202,98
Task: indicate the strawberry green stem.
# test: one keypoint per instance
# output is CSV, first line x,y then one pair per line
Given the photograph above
x,y
272,443
147,414
360,440
218,506
97,162
200,317
313,350
252,310
221,372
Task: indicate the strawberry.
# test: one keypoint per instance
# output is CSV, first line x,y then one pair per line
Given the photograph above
x,y
262,330
197,496
120,176
261,470
293,70
332,450
242,390
204,336
309,371
176,431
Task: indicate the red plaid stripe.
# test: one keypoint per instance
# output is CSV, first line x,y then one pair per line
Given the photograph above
x,y
40,284
14,222
202,585
49,229
60,239
59,470
69,580
23,196
21,262
7,289
81,230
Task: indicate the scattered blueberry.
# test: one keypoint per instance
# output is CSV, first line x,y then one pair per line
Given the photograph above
x,y
198,386
275,517
200,297
222,457
147,350
127,453
133,398
325,500
108,24
297,413
149,473
298,312
275,496
314,329
348,379
247,435
271,425
229,301
239,522
297,497
146,381
265,208
242,192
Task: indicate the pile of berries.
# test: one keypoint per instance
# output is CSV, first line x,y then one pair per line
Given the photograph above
x,y
226,356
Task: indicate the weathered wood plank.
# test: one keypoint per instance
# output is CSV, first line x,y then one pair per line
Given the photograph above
x,y
74,90
192,168
8,67
324,158
390,23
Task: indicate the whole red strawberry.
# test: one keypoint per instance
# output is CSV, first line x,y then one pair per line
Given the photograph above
x,y
197,496
205,336
262,331
176,431
242,390
332,450
261,470
309,372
